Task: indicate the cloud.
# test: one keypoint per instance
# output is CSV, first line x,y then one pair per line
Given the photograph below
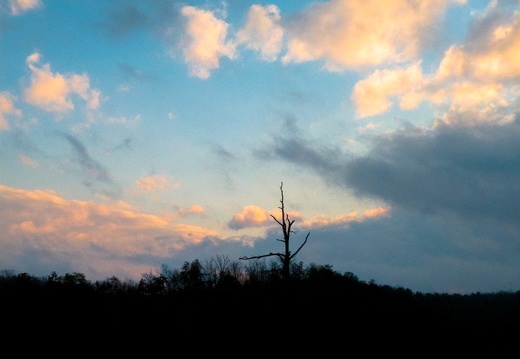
x,y
7,108
251,216
95,176
299,149
372,95
20,6
132,72
490,52
356,34
475,83
193,210
410,250
319,221
127,18
205,41
467,172
52,91
91,238
491,46
263,32
28,161
255,216
155,183
130,16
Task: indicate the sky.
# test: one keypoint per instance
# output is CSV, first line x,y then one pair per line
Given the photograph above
x,y
136,134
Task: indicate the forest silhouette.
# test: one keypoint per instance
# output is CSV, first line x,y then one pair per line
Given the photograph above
x,y
225,293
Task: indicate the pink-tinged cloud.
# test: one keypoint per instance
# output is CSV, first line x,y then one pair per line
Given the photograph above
x,y
193,210
20,6
324,221
205,41
361,33
263,32
373,95
251,216
42,220
376,212
494,60
255,216
7,108
155,183
475,83
52,91
28,161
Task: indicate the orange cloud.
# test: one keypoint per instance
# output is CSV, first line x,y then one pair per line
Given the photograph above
x,y
254,216
154,183
476,82
205,41
376,212
117,228
322,221
372,95
51,91
360,33
193,210
251,216
7,108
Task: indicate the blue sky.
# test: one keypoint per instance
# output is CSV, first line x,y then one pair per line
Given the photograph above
x,y
135,134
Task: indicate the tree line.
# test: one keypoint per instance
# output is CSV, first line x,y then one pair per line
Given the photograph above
x,y
223,302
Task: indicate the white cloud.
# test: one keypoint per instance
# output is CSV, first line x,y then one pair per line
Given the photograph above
x,y
19,6
205,41
263,32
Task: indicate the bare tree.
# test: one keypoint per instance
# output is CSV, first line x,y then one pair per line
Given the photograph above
x,y
286,225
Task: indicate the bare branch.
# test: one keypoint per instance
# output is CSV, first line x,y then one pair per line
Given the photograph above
x,y
295,253
277,220
260,256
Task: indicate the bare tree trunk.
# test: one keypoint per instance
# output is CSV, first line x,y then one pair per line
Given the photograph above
x,y
286,225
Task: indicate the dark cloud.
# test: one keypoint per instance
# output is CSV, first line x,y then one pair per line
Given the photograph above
x,y
293,146
223,154
95,176
132,72
129,16
472,172
423,253
125,144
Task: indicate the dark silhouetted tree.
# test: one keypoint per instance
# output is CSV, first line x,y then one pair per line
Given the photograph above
x,y
191,275
286,256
